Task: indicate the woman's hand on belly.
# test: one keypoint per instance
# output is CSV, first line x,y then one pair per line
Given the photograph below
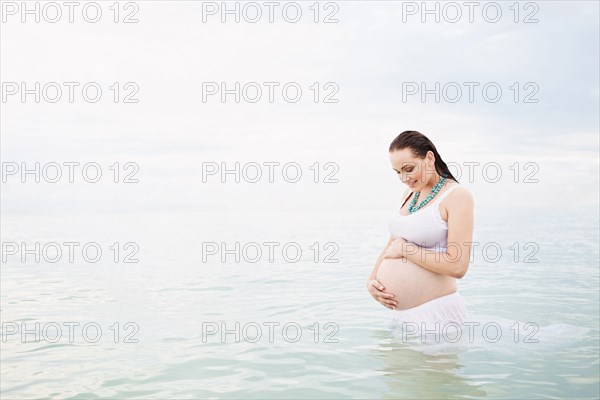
x,y
395,249
412,284
377,290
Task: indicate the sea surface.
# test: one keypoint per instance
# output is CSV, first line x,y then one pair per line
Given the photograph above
x,y
297,323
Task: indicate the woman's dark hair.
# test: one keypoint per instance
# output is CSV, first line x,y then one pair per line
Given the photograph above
x,y
420,145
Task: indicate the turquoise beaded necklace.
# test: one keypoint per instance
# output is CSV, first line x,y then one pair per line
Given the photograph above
x,y
434,191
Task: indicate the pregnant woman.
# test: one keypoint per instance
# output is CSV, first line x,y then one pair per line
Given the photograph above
x,y
430,239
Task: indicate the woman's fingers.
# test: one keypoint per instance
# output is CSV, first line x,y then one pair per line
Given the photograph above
x,y
386,299
377,284
388,303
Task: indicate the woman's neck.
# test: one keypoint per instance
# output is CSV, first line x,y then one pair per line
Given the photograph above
x,y
429,186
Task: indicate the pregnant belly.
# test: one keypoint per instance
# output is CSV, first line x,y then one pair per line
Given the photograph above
x,y
412,284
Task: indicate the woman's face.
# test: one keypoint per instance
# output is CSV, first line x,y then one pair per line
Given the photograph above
x,y
413,172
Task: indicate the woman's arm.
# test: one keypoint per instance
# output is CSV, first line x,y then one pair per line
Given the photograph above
x,y
455,261
373,274
381,255
376,289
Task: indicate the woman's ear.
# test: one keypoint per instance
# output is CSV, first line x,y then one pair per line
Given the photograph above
x,y
430,158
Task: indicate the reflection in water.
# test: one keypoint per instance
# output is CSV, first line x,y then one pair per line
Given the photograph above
x,y
409,373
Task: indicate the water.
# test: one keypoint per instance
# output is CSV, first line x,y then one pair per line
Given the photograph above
x,y
147,329
171,297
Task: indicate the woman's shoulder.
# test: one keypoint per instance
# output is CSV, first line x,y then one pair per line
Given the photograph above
x,y
459,193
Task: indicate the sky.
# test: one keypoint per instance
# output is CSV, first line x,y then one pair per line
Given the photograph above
x,y
365,61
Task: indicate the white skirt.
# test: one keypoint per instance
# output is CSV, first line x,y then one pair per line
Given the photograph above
x,y
437,320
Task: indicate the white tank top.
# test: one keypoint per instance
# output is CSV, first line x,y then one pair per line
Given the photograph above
x,y
425,227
